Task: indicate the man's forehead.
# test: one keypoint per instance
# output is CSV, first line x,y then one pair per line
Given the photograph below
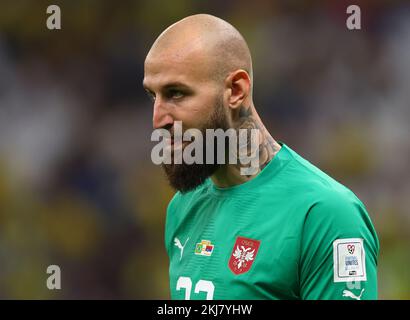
x,y
176,66
177,53
163,80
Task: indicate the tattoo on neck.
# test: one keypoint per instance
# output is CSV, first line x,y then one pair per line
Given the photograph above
x,y
267,146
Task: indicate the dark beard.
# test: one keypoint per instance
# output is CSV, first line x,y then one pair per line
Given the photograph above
x,y
186,177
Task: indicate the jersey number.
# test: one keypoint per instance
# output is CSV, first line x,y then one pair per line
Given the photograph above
x,y
201,285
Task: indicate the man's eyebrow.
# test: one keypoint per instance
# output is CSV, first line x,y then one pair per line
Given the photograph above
x,y
168,86
176,84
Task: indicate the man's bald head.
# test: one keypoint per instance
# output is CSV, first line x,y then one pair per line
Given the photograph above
x,y
208,42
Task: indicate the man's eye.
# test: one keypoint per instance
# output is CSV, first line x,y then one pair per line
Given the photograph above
x,y
176,94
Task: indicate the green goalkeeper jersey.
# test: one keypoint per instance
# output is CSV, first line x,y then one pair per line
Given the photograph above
x,y
292,232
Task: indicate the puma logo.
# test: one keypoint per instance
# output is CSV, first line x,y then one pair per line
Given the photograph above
x,y
180,246
347,293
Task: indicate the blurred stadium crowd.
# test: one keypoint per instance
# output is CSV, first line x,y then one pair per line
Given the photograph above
x,y
77,186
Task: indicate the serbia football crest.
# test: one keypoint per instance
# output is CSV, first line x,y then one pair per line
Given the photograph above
x,y
243,255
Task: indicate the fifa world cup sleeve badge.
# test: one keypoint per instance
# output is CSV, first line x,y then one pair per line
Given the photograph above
x,y
243,255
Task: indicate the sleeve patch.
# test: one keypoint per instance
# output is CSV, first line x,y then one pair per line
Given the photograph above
x,y
349,263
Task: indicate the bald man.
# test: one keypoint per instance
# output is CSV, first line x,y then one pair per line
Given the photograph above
x,y
286,231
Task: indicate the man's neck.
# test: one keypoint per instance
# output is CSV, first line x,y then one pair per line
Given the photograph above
x,y
229,175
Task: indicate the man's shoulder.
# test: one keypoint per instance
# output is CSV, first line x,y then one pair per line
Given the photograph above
x,y
302,178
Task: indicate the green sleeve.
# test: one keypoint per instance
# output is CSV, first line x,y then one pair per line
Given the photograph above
x,y
338,228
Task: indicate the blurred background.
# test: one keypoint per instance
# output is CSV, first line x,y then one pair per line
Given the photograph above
x,y
77,186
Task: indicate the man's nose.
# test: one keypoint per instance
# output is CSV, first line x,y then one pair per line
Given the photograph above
x,y
161,117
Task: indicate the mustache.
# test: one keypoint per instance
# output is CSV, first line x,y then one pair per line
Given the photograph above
x,y
180,132
171,129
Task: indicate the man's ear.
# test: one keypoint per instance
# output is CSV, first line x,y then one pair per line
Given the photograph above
x,y
239,84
